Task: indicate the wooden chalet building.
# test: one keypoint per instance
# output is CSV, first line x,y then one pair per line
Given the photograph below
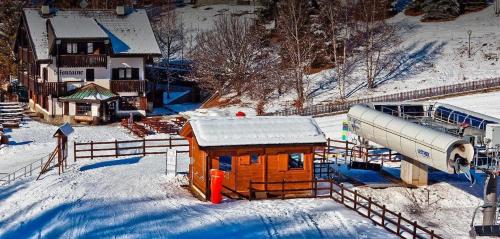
x,y
257,149
61,51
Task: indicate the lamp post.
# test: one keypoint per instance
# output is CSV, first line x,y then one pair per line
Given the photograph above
x,y
469,32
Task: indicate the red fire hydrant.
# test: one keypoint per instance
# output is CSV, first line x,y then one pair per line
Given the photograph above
x,y
216,177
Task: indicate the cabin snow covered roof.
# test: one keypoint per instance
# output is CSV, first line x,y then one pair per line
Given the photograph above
x,y
260,130
129,35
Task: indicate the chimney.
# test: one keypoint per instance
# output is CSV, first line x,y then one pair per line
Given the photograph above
x,y
45,9
120,10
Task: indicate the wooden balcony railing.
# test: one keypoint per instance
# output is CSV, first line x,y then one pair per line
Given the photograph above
x,y
83,61
52,88
138,86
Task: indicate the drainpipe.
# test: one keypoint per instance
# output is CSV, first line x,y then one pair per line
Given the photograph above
x,y
58,44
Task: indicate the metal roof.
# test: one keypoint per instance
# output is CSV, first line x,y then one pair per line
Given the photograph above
x,y
90,93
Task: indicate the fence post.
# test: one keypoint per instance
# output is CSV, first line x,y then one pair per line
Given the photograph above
x,y
369,207
355,199
283,189
116,148
144,146
414,229
170,141
315,188
342,193
399,224
346,149
331,188
250,191
383,215
74,151
91,149
432,234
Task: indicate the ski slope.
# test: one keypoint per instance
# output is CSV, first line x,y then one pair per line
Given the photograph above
x,y
132,198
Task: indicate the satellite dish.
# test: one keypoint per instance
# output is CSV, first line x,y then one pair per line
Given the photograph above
x,y
84,4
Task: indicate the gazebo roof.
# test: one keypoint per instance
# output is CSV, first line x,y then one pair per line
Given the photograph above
x,y
90,93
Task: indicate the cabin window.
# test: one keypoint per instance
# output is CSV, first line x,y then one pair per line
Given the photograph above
x,y
90,48
295,160
72,48
254,158
84,109
225,163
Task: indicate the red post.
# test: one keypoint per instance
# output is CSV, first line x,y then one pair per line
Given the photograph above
x,y
216,185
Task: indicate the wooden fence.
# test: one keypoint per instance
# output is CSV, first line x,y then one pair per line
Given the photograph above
x,y
428,93
350,149
117,148
352,199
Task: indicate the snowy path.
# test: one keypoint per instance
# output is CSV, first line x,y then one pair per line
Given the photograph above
x,y
132,199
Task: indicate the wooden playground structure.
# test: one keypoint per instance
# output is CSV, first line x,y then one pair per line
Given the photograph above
x,y
61,150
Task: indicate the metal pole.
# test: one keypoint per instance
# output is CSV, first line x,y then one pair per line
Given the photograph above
x,y
469,32
490,199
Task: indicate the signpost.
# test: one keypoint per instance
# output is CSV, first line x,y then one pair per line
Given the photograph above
x,y
171,163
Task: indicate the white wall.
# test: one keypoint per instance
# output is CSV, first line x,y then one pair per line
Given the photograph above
x,y
102,75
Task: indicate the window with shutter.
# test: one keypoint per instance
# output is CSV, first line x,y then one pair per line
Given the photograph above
x,y
245,160
135,73
283,162
114,74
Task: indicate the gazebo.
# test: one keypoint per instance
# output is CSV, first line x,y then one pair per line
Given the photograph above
x,y
91,103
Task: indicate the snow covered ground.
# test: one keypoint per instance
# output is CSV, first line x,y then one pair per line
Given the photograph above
x,y
431,54
131,197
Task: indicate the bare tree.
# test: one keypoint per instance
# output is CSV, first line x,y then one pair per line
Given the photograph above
x,y
341,26
379,38
169,32
297,47
226,58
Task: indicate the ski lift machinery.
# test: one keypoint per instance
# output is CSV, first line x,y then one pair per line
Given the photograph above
x,y
439,149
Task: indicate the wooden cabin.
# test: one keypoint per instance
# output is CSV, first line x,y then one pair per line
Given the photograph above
x,y
251,149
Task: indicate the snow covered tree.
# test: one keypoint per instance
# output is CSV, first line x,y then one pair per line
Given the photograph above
x,y
341,27
228,57
170,33
435,10
377,38
297,45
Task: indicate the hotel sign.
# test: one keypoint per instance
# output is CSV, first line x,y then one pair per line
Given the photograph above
x,y
70,73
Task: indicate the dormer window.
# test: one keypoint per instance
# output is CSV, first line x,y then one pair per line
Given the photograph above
x,y
90,48
72,48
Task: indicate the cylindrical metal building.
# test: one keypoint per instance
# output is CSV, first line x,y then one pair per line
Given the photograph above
x,y
428,146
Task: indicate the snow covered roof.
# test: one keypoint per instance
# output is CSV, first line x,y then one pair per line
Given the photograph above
x,y
237,131
65,129
130,34
74,26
